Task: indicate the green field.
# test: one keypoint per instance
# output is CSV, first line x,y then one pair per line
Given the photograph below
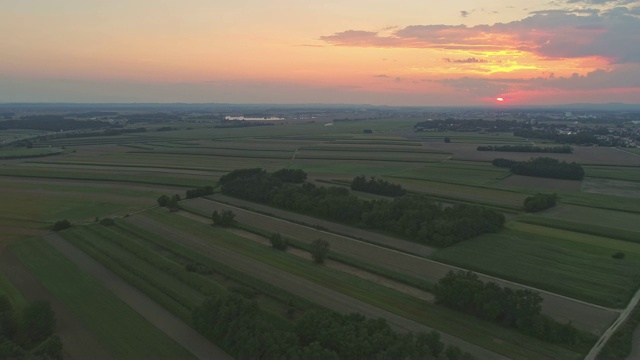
x,y
119,328
569,263
502,340
567,249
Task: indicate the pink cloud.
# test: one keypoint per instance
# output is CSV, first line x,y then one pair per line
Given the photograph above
x,y
557,34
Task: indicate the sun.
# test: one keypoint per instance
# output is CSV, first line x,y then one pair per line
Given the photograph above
x,y
499,99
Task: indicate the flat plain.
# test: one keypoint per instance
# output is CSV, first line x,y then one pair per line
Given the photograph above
x,y
564,252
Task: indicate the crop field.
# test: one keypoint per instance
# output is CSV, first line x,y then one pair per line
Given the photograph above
x,y
83,294
457,172
382,255
614,172
611,187
553,259
564,252
212,242
593,216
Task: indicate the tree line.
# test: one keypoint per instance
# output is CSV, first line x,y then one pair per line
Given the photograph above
x,y
238,325
376,186
543,167
199,191
565,149
28,334
410,216
539,202
519,309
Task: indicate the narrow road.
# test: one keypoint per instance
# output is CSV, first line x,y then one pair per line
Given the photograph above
x,y
168,323
612,329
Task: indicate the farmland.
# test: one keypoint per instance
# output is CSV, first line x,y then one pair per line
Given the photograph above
x,y
565,253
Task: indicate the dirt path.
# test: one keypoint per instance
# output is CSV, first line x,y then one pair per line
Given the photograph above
x,y
168,323
304,288
583,315
77,339
380,280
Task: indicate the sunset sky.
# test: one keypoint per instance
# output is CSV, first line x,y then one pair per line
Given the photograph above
x,y
401,52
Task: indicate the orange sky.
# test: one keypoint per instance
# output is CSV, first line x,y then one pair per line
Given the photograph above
x,y
296,51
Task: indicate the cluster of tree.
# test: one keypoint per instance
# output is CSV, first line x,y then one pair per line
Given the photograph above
x,y
239,326
539,202
107,221
169,202
28,334
296,176
198,268
61,225
93,114
158,117
543,167
565,149
199,191
519,309
167,128
51,123
451,124
319,250
278,242
226,124
578,138
413,217
376,186
225,218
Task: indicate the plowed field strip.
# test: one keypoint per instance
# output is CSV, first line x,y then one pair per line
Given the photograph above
x,y
304,288
168,323
583,315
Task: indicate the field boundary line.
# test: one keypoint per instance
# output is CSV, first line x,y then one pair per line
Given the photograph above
x,y
158,316
453,267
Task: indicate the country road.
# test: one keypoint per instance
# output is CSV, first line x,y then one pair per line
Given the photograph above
x,y
612,329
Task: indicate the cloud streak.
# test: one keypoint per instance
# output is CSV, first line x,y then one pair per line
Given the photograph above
x,y
553,34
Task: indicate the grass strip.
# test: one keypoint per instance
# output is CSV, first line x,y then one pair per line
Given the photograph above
x,y
493,337
12,293
137,275
583,228
237,276
392,275
124,332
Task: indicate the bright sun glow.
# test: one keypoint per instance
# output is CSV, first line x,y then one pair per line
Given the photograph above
x,y
500,99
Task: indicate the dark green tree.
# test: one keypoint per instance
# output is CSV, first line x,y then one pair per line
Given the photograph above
x,y
61,225
319,250
38,321
277,242
163,200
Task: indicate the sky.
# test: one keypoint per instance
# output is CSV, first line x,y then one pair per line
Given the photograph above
x,y
380,52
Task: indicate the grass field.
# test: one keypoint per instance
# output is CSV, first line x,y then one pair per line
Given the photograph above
x,y
120,329
501,340
566,249
569,263
9,290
